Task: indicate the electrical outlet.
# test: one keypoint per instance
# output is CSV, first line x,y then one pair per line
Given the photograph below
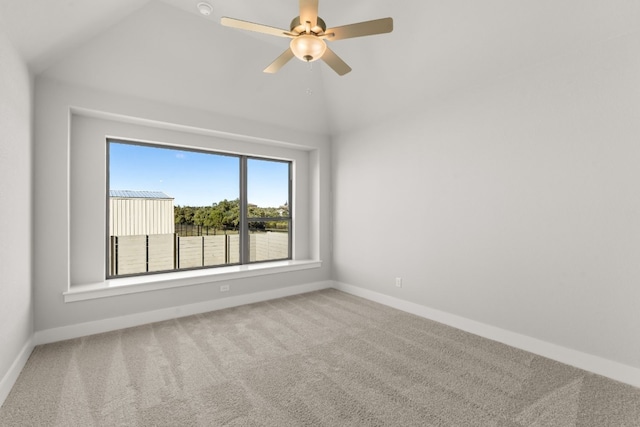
x,y
398,282
224,288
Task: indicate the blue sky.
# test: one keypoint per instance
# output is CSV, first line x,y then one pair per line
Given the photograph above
x,y
195,178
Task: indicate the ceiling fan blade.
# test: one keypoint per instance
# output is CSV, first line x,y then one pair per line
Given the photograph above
x,y
309,12
279,62
367,28
250,26
335,62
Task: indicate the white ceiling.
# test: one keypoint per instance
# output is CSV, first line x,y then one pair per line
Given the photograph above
x,y
164,50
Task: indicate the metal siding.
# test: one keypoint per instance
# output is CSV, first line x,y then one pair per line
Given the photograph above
x,y
129,194
140,216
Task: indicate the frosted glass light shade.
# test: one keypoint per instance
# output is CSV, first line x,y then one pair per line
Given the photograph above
x,y
308,47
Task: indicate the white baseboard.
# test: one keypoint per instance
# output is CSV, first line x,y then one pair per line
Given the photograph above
x,y
99,326
7,382
595,364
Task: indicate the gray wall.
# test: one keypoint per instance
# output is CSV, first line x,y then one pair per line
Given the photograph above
x,y
69,183
16,306
514,203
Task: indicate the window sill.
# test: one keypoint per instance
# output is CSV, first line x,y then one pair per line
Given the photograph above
x,y
131,285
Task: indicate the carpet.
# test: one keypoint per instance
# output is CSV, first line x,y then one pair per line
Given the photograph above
x,y
324,358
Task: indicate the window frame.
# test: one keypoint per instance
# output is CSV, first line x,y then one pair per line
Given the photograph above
x,y
244,208
244,219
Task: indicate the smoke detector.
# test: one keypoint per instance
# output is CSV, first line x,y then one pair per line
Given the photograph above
x,y
205,8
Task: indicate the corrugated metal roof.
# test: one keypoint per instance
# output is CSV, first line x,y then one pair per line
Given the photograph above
x,y
131,194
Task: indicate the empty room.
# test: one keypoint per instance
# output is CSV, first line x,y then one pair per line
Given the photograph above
x,y
319,212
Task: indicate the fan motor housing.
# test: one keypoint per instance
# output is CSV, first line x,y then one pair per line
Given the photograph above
x,y
298,27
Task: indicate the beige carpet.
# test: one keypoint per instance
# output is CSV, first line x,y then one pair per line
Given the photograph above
x,y
325,358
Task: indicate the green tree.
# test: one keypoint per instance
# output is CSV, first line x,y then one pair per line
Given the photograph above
x,y
214,219
183,214
200,216
225,215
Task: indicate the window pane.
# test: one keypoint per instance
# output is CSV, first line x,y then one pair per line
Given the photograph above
x,y
267,188
171,209
174,209
268,240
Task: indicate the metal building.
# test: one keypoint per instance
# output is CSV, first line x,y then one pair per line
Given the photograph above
x,y
134,213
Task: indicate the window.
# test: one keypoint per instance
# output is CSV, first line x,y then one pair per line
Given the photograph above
x,y
176,209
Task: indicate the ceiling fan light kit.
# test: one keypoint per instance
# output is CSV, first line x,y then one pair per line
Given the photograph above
x,y
308,34
308,47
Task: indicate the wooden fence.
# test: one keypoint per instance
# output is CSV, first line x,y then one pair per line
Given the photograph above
x,y
166,252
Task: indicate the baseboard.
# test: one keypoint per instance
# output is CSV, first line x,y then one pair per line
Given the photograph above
x,y
7,382
595,364
99,326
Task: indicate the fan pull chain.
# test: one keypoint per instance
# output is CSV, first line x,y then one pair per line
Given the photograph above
x,y
309,91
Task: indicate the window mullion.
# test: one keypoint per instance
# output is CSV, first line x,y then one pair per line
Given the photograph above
x,y
244,224
290,205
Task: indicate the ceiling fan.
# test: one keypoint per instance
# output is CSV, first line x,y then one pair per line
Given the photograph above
x,y
308,33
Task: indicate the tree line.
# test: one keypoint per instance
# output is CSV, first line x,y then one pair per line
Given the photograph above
x,y
225,215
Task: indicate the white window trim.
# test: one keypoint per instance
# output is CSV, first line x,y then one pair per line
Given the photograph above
x,y
156,282
80,289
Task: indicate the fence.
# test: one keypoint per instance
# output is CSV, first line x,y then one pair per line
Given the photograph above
x,y
164,252
184,230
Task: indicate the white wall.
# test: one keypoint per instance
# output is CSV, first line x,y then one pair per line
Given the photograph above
x,y
60,193
16,306
515,204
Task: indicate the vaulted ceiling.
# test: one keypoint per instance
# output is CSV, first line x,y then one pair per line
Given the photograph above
x,y
165,51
